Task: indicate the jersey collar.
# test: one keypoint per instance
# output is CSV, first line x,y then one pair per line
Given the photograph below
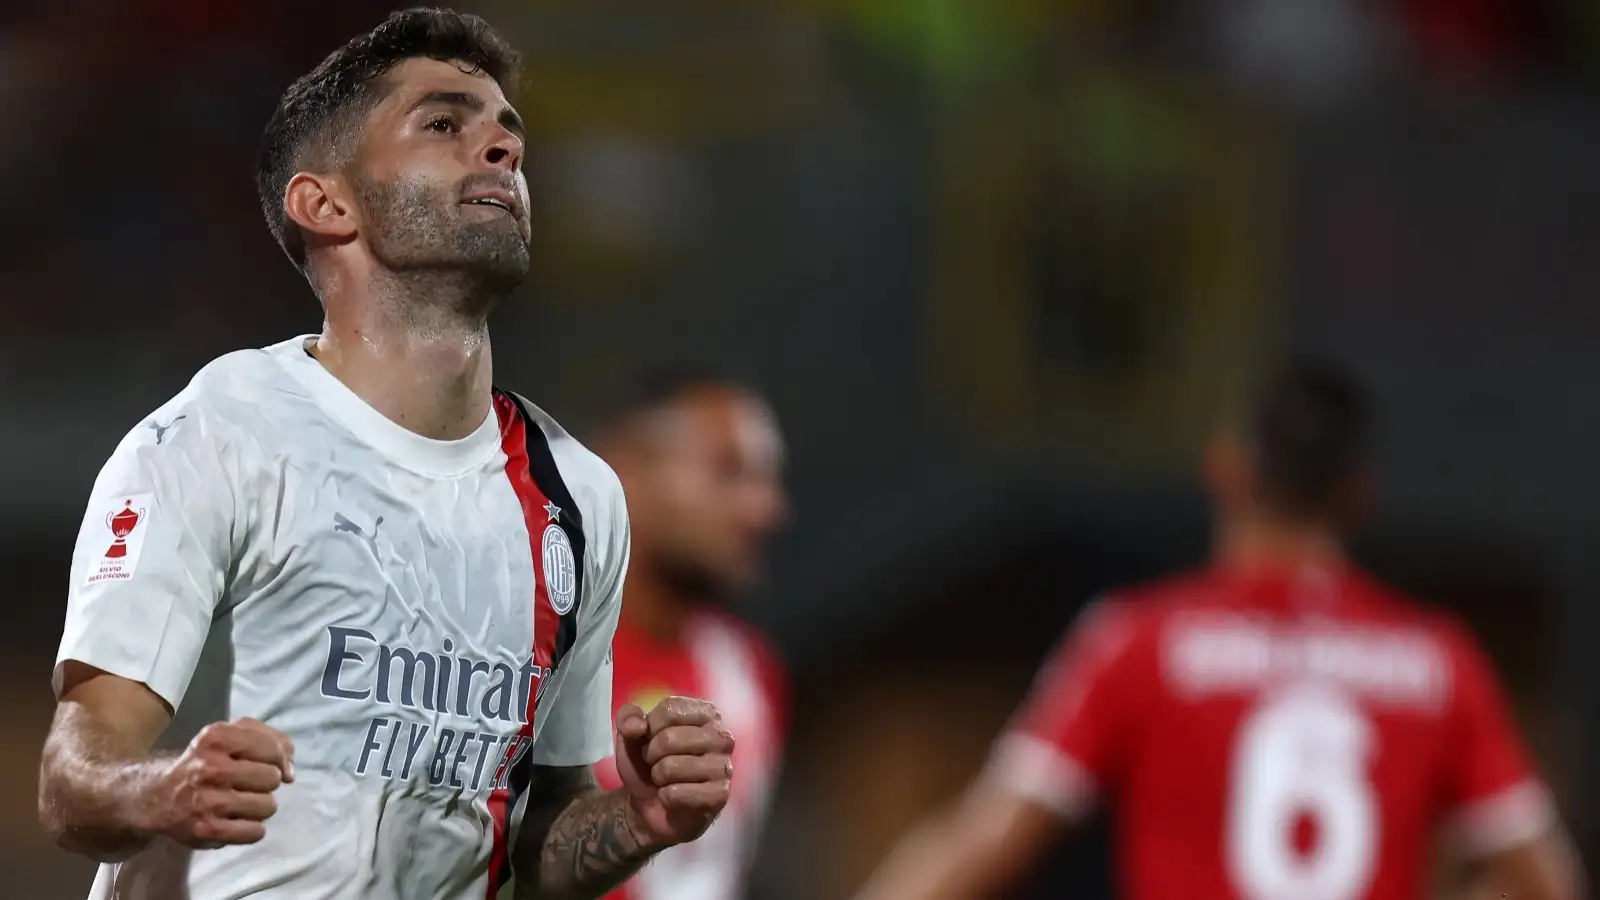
x,y
400,444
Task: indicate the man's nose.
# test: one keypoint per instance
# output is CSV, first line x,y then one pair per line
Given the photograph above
x,y
504,151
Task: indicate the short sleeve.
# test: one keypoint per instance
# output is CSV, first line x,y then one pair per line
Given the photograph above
x,y
1064,744
152,555
576,729
1493,798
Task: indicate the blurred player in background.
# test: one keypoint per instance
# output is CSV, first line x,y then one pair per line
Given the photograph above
x,y
341,611
1277,727
700,459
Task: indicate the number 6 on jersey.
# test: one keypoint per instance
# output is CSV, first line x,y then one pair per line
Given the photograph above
x,y
1301,761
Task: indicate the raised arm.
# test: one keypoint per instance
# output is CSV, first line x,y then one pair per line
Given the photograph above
x,y
578,841
148,569
96,769
676,762
103,794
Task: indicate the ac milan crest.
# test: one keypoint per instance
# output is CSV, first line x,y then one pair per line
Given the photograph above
x,y
560,569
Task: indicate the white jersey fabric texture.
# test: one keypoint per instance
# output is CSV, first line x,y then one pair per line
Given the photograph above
x,y
426,619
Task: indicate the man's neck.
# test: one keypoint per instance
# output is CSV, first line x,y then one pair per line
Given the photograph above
x,y
1257,544
424,367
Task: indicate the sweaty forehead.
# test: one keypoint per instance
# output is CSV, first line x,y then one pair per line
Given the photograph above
x,y
413,79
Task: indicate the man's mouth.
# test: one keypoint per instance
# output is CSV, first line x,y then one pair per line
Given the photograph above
x,y
498,198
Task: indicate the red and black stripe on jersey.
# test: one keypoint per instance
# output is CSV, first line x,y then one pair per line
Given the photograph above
x,y
534,476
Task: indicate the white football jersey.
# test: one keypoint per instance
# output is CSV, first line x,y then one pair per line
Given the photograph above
x,y
426,619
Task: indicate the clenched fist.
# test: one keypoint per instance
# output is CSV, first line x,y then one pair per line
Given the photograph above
x,y
219,791
676,763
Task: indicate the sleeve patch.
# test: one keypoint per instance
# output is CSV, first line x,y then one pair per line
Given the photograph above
x,y
127,519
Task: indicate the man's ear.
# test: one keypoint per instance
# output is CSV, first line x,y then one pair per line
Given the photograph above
x,y
321,206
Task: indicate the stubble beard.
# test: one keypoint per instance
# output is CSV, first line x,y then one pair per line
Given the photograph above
x,y
440,261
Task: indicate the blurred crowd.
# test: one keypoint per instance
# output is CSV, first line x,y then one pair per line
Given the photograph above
x,y
142,117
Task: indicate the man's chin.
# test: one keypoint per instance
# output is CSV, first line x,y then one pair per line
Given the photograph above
x,y
504,277
499,269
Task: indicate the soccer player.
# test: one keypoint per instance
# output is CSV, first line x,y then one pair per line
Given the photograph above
x,y
340,611
700,457
1279,726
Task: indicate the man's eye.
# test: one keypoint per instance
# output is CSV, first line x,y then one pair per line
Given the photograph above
x,y
440,125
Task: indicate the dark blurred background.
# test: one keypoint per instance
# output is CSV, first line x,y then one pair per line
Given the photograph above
x,y
999,265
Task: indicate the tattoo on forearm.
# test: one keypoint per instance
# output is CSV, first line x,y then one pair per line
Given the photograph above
x,y
593,844
587,848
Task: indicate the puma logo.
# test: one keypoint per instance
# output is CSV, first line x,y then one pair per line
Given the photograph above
x,y
340,523
161,430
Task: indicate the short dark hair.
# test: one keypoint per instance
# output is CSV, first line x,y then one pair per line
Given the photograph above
x,y
312,122
1309,431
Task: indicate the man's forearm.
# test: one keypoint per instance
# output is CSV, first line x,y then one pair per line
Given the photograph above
x,y
90,784
577,841
591,848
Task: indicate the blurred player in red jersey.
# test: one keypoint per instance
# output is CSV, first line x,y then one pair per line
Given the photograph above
x,y
1276,727
700,458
